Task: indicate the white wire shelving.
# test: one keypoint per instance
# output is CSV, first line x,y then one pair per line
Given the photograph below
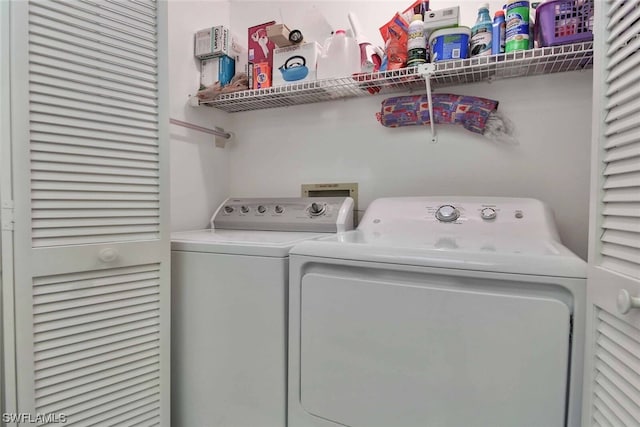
x,y
547,60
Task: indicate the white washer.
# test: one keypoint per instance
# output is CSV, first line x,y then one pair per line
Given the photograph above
x,y
438,311
229,302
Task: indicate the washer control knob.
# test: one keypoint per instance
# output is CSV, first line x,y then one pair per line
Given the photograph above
x,y
228,209
488,213
244,209
317,209
261,209
279,209
447,213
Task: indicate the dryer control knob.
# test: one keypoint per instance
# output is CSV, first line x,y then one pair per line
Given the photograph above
x,y
244,209
316,209
447,213
261,209
488,213
228,209
279,209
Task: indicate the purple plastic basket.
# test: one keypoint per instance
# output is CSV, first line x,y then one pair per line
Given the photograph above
x,y
564,21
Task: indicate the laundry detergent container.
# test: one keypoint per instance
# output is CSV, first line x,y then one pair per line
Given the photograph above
x,y
449,43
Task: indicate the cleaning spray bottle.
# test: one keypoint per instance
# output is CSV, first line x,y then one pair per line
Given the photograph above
x,y
481,33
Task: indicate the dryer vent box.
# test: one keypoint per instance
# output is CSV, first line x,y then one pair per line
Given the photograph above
x,y
349,189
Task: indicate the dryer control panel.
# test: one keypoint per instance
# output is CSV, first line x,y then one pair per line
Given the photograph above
x,y
458,215
316,214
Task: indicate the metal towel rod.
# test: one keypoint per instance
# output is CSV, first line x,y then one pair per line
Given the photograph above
x,y
217,132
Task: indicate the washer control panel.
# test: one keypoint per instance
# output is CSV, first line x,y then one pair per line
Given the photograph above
x,y
315,214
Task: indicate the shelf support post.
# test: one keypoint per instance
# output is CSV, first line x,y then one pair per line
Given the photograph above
x,y
427,71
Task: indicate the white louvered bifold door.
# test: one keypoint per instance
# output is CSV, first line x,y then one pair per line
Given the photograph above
x,y
612,368
91,249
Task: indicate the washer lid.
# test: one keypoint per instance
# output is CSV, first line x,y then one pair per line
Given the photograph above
x,y
489,253
239,242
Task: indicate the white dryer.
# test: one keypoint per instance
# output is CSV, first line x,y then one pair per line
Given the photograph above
x,y
229,303
438,311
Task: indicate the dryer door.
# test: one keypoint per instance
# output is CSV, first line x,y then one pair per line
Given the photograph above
x,y
431,350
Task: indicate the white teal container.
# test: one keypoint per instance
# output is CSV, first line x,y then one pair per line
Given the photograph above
x,y
449,43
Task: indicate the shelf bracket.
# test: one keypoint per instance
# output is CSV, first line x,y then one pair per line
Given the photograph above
x,y
427,71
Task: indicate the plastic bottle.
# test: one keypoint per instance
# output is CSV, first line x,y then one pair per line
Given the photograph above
x,y
416,43
341,57
498,35
481,32
517,35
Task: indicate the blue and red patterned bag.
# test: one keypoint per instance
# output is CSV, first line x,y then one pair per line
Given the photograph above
x,y
470,111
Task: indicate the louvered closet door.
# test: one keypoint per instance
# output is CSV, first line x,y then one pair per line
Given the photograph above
x,y
612,373
92,248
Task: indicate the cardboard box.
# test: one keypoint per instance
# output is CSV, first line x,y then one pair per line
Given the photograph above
x,y
208,72
213,70
209,42
226,69
279,34
442,18
260,47
295,64
214,42
261,75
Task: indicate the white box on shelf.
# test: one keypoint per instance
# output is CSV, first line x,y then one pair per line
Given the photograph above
x,y
295,64
442,18
215,41
219,69
209,70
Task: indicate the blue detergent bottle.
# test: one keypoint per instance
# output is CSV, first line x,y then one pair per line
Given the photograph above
x,y
499,31
481,33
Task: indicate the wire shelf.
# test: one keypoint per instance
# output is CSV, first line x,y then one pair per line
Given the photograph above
x,y
546,60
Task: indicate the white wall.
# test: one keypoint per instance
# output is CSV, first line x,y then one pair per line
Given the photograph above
x,y
277,150
311,16
199,170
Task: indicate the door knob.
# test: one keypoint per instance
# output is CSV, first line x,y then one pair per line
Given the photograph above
x,y
626,302
108,255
